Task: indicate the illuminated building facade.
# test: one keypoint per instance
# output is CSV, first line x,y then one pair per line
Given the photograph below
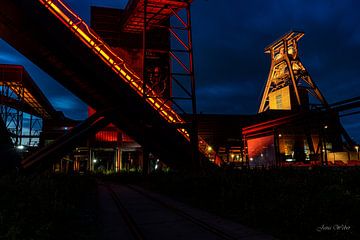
x,y
288,84
288,130
150,57
131,80
100,76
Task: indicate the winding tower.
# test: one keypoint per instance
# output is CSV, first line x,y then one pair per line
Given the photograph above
x,y
289,83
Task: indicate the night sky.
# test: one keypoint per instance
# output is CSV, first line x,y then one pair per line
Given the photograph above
x,y
229,38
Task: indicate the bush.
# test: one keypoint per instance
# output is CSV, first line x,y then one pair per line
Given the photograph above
x,y
47,207
289,203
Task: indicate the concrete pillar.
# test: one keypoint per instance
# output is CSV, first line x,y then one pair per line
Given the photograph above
x,y
91,164
119,158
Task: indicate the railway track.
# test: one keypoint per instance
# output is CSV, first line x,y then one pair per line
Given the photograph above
x,y
148,216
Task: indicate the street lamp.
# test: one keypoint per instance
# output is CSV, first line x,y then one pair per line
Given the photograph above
x,y
20,147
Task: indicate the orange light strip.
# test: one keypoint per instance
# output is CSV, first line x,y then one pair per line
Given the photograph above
x,y
99,47
28,98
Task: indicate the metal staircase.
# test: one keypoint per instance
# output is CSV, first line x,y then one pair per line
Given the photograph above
x,y
89,68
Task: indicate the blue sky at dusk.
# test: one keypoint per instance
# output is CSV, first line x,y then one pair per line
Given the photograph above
x,y
229,38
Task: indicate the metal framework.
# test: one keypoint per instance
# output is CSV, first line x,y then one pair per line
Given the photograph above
x,y
21,112
347,105
287,70
120,67
174,17
24,128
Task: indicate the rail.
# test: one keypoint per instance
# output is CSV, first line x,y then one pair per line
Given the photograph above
x,y
135,229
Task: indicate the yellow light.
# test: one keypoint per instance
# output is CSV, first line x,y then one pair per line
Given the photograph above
x,y
135,84
209,148
56,9
104,55
86,35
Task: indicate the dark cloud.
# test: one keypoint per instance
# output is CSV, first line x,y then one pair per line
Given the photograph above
x,y
229,39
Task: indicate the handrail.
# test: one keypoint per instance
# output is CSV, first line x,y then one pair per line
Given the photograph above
x,y
91,39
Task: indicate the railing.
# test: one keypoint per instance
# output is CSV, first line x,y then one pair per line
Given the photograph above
x,y
117,64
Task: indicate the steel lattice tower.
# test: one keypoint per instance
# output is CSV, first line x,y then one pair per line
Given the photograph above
x,y
289,82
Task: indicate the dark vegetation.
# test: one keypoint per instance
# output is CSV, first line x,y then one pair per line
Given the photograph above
x,y
287,203
47,207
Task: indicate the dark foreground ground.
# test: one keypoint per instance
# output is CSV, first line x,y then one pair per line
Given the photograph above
x,y
48,207
287,203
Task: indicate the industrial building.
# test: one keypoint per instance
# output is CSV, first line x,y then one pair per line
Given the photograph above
x,y
290,130
110,82
139,84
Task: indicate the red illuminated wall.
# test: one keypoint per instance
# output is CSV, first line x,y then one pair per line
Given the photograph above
x,y
110,133
261,151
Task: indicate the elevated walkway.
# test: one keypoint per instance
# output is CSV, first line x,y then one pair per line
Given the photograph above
x,y
52,36
52,152
33,101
